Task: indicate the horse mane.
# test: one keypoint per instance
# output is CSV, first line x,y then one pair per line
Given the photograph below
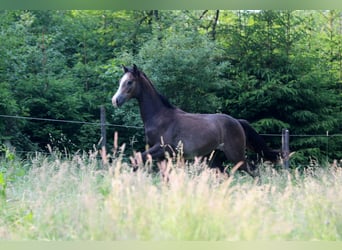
x,y
164,100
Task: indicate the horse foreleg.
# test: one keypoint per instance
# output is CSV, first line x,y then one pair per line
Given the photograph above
x,y
157,152
139,159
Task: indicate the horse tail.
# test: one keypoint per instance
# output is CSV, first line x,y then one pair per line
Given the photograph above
x,y
256,143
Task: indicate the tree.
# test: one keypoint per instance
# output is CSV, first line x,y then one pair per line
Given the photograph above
x,y
184,64
274,68
277,82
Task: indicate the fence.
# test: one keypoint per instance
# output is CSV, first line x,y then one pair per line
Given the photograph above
x,y
285,136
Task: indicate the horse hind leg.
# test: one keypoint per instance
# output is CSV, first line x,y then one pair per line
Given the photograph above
x,y
241,163
216,160
250,168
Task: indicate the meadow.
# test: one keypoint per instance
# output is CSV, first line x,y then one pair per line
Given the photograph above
x,y
77,197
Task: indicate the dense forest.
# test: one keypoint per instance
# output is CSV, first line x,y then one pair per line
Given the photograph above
x,y
276,69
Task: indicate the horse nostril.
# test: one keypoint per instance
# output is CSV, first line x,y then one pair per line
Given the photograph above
x,y
119,100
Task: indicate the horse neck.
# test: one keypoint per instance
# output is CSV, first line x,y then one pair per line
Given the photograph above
x,y
150,103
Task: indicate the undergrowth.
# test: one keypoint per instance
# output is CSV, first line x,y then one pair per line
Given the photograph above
x,y
79,197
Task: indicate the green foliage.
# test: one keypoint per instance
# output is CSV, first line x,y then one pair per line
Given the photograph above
x,y
3,185
276,82
274,68
184,64
10,169
8,105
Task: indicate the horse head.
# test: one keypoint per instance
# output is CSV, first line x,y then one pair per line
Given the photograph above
x,y
129,86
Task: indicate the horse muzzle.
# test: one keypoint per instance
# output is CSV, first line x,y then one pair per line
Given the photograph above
x,y
118,101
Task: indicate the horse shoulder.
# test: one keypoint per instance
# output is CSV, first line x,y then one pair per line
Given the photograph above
x,y
159,127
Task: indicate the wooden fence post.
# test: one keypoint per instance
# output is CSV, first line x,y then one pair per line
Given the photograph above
x,y
103,127
285,147
103,150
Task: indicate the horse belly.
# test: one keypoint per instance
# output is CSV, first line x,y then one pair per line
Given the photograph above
x,y
199,145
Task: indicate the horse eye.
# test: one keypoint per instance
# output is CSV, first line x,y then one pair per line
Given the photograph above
x,y
129,83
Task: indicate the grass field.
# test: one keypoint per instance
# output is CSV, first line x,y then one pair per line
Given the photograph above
x,y
74,198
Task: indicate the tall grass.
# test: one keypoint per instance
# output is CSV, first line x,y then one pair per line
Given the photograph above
x,y
77,198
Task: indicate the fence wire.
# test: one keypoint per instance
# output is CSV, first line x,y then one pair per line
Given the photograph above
x,y
70,121
141,127
120,126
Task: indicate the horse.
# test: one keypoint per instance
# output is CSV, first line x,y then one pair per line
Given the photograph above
x,y
166,127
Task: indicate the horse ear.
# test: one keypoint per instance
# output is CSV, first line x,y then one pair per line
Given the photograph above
x,y
135,70
125,69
